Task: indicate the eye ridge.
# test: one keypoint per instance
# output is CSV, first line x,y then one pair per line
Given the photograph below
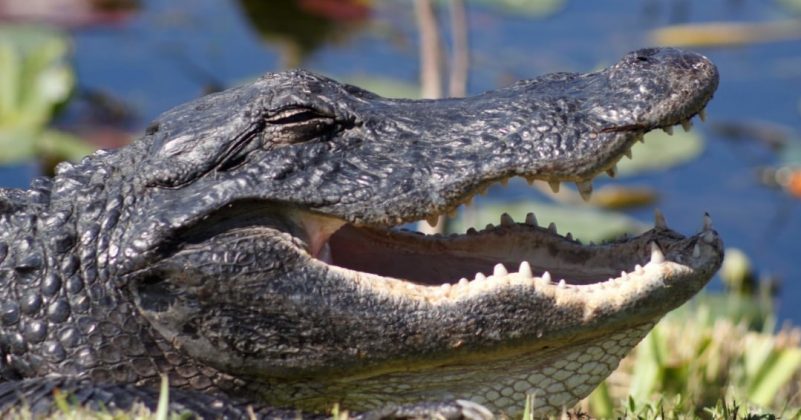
x,y
296,115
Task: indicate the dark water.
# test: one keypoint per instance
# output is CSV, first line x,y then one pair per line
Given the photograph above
x,y
170,51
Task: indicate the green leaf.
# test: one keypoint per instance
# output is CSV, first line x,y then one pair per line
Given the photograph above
x,y
775,374
34,74
661,151
162,410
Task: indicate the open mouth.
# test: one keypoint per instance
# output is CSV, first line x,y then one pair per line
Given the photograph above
x,y
509,252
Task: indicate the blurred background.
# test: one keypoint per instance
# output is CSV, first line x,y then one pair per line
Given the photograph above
x,y
77,75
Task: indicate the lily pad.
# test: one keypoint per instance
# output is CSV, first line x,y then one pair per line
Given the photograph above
x,y
585,223
388,88
661,151
530,8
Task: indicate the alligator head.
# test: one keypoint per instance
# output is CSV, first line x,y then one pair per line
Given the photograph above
x,y
255,230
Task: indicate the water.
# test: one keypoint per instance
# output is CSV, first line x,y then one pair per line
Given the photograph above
x,y
170,51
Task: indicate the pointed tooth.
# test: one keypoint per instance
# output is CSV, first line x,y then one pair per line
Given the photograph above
x,y
668,130
638,269
463,281
612,171
656,254
569,236
686,125
696,251
506,220
546,276
707,221
702,115
505,182
483,190
489,226
525,270
562,284
624,275
480,277
552,228
499,270
659,219
585,190
530,179
554,186
531,219
432,220
641,138
628,153
471,231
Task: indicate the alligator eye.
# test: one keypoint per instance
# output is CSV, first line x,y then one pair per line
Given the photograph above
x,y
298,124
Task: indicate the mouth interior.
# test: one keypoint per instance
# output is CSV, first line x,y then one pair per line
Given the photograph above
x,y
436,259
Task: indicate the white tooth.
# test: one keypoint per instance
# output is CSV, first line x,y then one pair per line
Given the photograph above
x,y
707,221
585,190
569,236
554,186
525,270
489,226
702,115
686,125
628,153
432,220
505,182
499,270
668,130
552,228
531,219
696,251
638,269
659,219
546,276
445,287
463,281
480,277
612,171
562,284
656,254
507,220
709,237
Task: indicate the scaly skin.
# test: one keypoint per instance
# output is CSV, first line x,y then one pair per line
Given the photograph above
x,y
242,248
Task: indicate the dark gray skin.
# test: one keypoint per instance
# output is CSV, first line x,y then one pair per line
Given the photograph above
x,y
197,251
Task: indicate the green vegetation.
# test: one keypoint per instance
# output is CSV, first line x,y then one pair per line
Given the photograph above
x,y
35,81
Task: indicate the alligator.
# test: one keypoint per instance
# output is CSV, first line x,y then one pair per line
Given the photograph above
x,y
250,247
